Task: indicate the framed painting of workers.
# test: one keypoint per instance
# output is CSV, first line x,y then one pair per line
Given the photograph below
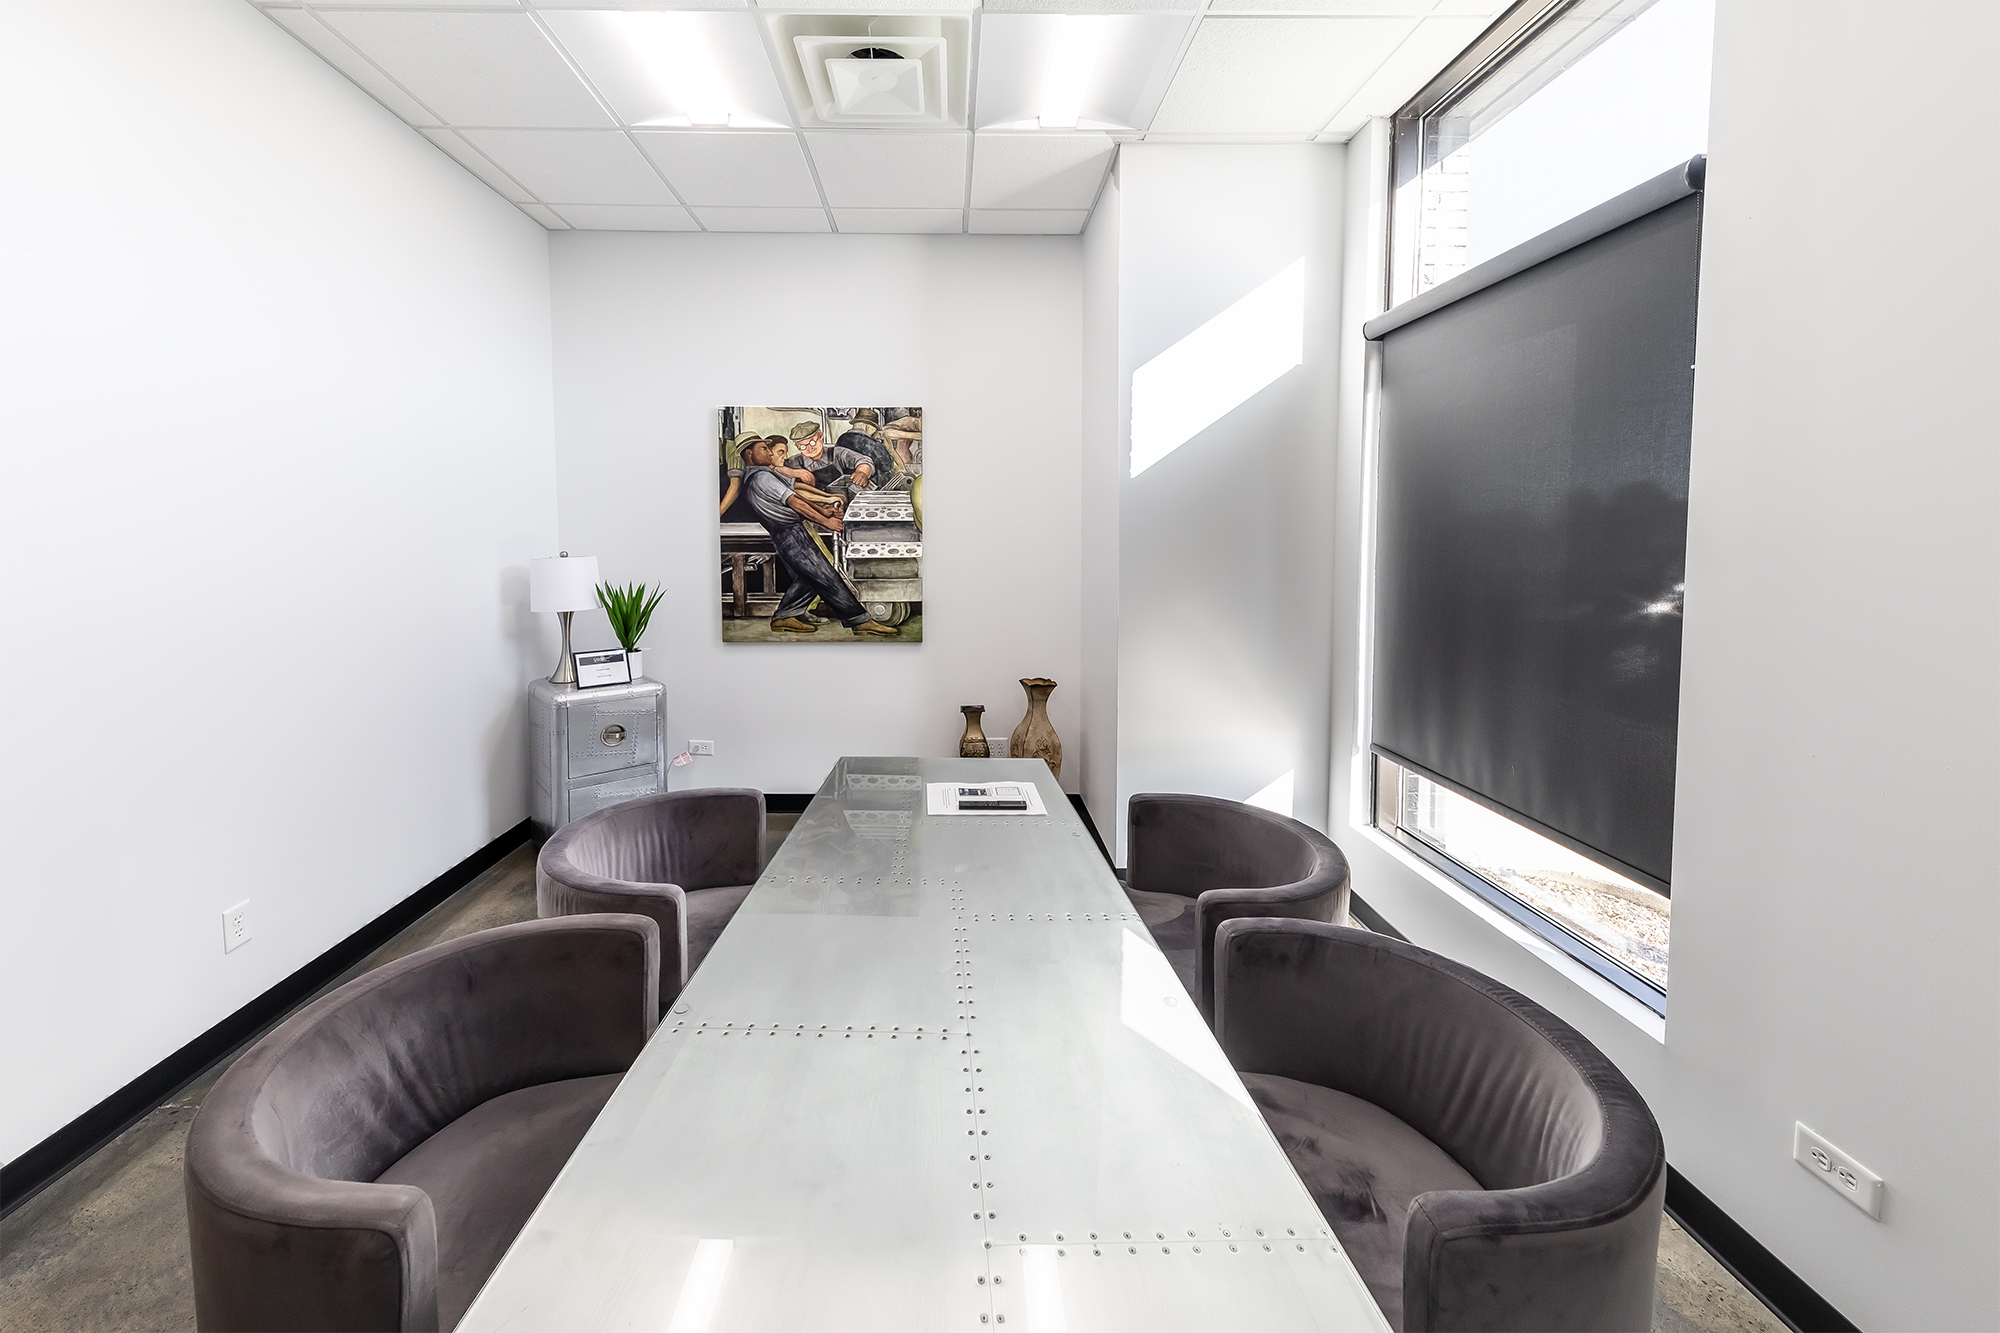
x,y
822,535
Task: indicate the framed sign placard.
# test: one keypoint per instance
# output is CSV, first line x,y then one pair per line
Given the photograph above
x,y
602,666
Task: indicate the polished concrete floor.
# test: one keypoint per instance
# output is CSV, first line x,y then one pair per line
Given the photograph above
x,y
105,1248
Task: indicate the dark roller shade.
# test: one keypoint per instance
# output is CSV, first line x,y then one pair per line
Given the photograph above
x,y
1532,528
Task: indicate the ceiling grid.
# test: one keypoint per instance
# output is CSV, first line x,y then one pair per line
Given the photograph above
x,y
666,115
605,103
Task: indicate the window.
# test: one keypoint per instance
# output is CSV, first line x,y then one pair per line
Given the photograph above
x,y
1621,925
1532,427
1557,109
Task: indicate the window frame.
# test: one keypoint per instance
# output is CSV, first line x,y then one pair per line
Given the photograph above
x,y
1521,25
1385,813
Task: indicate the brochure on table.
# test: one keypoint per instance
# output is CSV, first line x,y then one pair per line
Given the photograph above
x,y
944,797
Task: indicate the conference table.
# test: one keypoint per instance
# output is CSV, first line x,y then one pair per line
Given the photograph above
x,y
935,1074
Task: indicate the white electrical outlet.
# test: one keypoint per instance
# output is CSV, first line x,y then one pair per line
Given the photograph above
x,y
1840,1173
701,747
235,926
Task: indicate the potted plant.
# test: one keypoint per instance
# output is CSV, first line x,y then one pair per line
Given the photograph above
x,y
630,610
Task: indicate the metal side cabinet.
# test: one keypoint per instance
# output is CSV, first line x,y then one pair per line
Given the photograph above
x,y
593,748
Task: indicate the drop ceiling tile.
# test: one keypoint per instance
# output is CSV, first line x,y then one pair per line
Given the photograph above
x,y
477,163
1273,75
1343,8
1029,221
763,219
352,63
430,4
475,68
547,217
860,169
731,169
1426,51
575,166
899,220
627,217
1089,6
1039,170
643,4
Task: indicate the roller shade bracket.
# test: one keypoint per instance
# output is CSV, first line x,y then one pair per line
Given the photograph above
x,y
1667,187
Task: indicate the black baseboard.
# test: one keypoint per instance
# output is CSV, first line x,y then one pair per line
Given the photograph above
x,y
25,1176
1749,1262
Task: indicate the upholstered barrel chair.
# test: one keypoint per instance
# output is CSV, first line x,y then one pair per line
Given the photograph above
x,y
1193,862
366,1164
1485,1167
687,859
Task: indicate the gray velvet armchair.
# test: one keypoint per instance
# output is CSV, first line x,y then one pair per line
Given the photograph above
x,y
1484,1166
1193,862
366,1164
687,859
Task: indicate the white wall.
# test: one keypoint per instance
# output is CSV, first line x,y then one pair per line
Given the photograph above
x,y
653,333
1835,909
1834,894
277,431
1226,544
1103,406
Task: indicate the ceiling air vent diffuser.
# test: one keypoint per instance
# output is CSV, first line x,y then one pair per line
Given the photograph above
x,y
885,72
894,80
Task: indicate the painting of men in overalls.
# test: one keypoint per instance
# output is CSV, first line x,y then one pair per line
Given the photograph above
x,y
822,524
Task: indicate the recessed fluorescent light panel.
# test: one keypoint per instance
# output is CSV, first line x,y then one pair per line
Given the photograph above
x,y
672,48
1075,71
1074,53
678,70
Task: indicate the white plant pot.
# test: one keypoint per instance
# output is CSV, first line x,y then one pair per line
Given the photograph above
x,y
637,657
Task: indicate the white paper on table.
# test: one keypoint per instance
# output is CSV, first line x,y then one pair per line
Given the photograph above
x,y
943,798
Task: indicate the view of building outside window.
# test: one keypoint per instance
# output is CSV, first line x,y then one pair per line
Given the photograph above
x,y
1623,920
1563,132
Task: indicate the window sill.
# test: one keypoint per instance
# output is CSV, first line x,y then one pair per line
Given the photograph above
x,y
1609,995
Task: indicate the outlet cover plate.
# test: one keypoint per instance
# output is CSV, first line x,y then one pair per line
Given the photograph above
x,y
701,747
235,926
1839,1172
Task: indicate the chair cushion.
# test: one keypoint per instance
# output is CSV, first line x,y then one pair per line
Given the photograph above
x,y
486,1171
1363,1167
708,912
1171,918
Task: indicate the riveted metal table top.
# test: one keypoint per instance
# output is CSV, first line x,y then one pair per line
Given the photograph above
x,y
935,1074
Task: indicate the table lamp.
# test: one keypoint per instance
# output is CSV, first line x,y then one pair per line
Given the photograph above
x,y
564,584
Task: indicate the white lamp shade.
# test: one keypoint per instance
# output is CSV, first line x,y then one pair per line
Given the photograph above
x,y
562,583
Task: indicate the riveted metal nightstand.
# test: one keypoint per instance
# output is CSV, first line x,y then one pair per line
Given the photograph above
x,y
593,748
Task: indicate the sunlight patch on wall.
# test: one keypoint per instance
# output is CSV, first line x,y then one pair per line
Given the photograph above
x,y
1217,368
1276,797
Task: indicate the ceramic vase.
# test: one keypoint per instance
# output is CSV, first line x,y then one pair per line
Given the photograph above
x,y
972,745
637,657
1036,737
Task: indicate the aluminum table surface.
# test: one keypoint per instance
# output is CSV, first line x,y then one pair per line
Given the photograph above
x,y
935,1074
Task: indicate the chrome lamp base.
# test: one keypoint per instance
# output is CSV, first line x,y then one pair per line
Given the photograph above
x,y
565,672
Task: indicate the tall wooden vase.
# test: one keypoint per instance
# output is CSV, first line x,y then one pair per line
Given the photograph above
x,y
1036,737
